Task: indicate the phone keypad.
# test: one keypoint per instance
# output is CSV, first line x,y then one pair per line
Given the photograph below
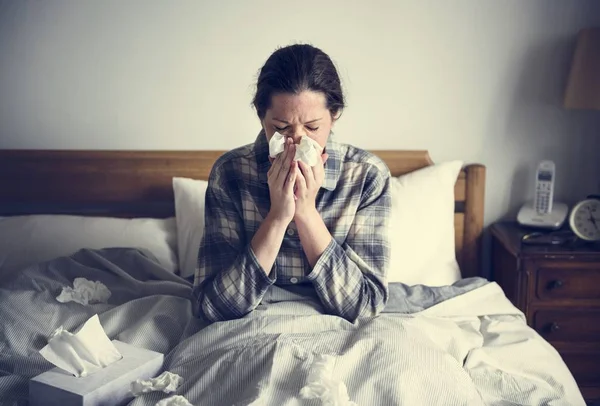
x,y
543,196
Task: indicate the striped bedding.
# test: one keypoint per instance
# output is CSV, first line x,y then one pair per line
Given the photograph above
x,y
457,345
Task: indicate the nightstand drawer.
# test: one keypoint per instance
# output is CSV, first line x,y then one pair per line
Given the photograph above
x,y
557,281
584,367
568,325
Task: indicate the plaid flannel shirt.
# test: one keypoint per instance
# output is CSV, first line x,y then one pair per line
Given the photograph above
x,y
354,203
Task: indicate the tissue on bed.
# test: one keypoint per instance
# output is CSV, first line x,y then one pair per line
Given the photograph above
x,y
82,353
84,292
321,384
176,400
166,382
308,151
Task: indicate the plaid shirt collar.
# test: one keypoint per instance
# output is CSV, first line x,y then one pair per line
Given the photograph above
x,y
333,166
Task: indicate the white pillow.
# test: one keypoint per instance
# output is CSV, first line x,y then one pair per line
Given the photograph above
x,y
422,226
30,239
189,212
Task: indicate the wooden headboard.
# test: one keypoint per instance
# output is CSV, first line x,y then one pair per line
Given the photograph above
x,y
139,184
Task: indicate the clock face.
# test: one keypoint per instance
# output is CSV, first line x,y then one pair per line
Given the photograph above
x,y
585,219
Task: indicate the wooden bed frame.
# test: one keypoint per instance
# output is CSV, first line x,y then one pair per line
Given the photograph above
x,y
139,184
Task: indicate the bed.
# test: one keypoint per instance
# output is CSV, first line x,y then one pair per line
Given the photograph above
x,y
459,343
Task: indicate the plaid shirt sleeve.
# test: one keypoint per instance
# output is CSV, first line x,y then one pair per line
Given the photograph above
x,y
350,278
229,281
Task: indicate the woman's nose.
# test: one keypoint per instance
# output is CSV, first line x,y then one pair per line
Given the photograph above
x,y
296,136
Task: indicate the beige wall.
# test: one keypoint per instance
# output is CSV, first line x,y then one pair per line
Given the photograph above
x,y
478,80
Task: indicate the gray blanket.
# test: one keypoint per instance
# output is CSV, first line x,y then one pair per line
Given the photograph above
x,y
263,358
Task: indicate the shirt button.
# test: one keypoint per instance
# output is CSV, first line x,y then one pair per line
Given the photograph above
x,y
294,280
290,231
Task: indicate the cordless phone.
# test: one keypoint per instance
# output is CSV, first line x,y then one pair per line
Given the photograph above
x,y
544,187
543,211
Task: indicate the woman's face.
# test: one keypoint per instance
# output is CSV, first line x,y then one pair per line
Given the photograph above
x,y
297,115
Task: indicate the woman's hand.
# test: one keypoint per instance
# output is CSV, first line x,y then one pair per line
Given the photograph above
x,y
281,179
308,182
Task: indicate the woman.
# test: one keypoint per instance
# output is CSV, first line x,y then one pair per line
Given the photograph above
x,y
280,221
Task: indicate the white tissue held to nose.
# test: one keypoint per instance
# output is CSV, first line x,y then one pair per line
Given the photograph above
x,y
166,382
84,292
308,151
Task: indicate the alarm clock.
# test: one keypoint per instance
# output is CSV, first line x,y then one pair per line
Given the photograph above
x,y
584,219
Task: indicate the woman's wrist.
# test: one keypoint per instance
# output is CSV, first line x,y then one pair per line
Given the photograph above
x,y
307,216
267,241
277,222
313,233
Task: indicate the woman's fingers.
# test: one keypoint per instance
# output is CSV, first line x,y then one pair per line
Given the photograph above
x,y
279,159
271,170
285,161
276,166
319,169
307,173
300,180
291,178
290,155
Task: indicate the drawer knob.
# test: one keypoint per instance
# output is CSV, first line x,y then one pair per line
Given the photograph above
x,y
554,327
555,284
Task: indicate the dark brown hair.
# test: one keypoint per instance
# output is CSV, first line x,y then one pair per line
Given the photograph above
x,y
293,69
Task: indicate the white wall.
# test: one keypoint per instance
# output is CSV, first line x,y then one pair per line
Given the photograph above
x,y
478,80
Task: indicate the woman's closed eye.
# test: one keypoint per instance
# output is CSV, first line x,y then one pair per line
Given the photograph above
x,y
282,129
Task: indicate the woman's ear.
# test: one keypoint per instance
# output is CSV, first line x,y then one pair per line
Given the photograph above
x,y
334,117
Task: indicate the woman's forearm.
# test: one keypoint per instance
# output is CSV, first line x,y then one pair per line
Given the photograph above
x,y
251,267
267,242
314,235
347,285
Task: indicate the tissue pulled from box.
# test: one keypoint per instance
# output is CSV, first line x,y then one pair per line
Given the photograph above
x,y
308,151
176,400
320,383
84,292
166,382
82,353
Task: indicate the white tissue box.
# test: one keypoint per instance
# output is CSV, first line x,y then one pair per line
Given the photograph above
x,y
107,386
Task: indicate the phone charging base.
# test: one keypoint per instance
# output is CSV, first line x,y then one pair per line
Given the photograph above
x,y
554,220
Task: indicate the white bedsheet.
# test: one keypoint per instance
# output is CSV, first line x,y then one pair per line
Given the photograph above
x,y
470,346
507,360
474,349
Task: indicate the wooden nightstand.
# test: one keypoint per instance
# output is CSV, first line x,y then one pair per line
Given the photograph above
x,y
558,289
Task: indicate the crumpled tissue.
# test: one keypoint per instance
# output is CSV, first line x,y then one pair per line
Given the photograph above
x,y
166,382
321,384
308,151
84,292
176,400
82,353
